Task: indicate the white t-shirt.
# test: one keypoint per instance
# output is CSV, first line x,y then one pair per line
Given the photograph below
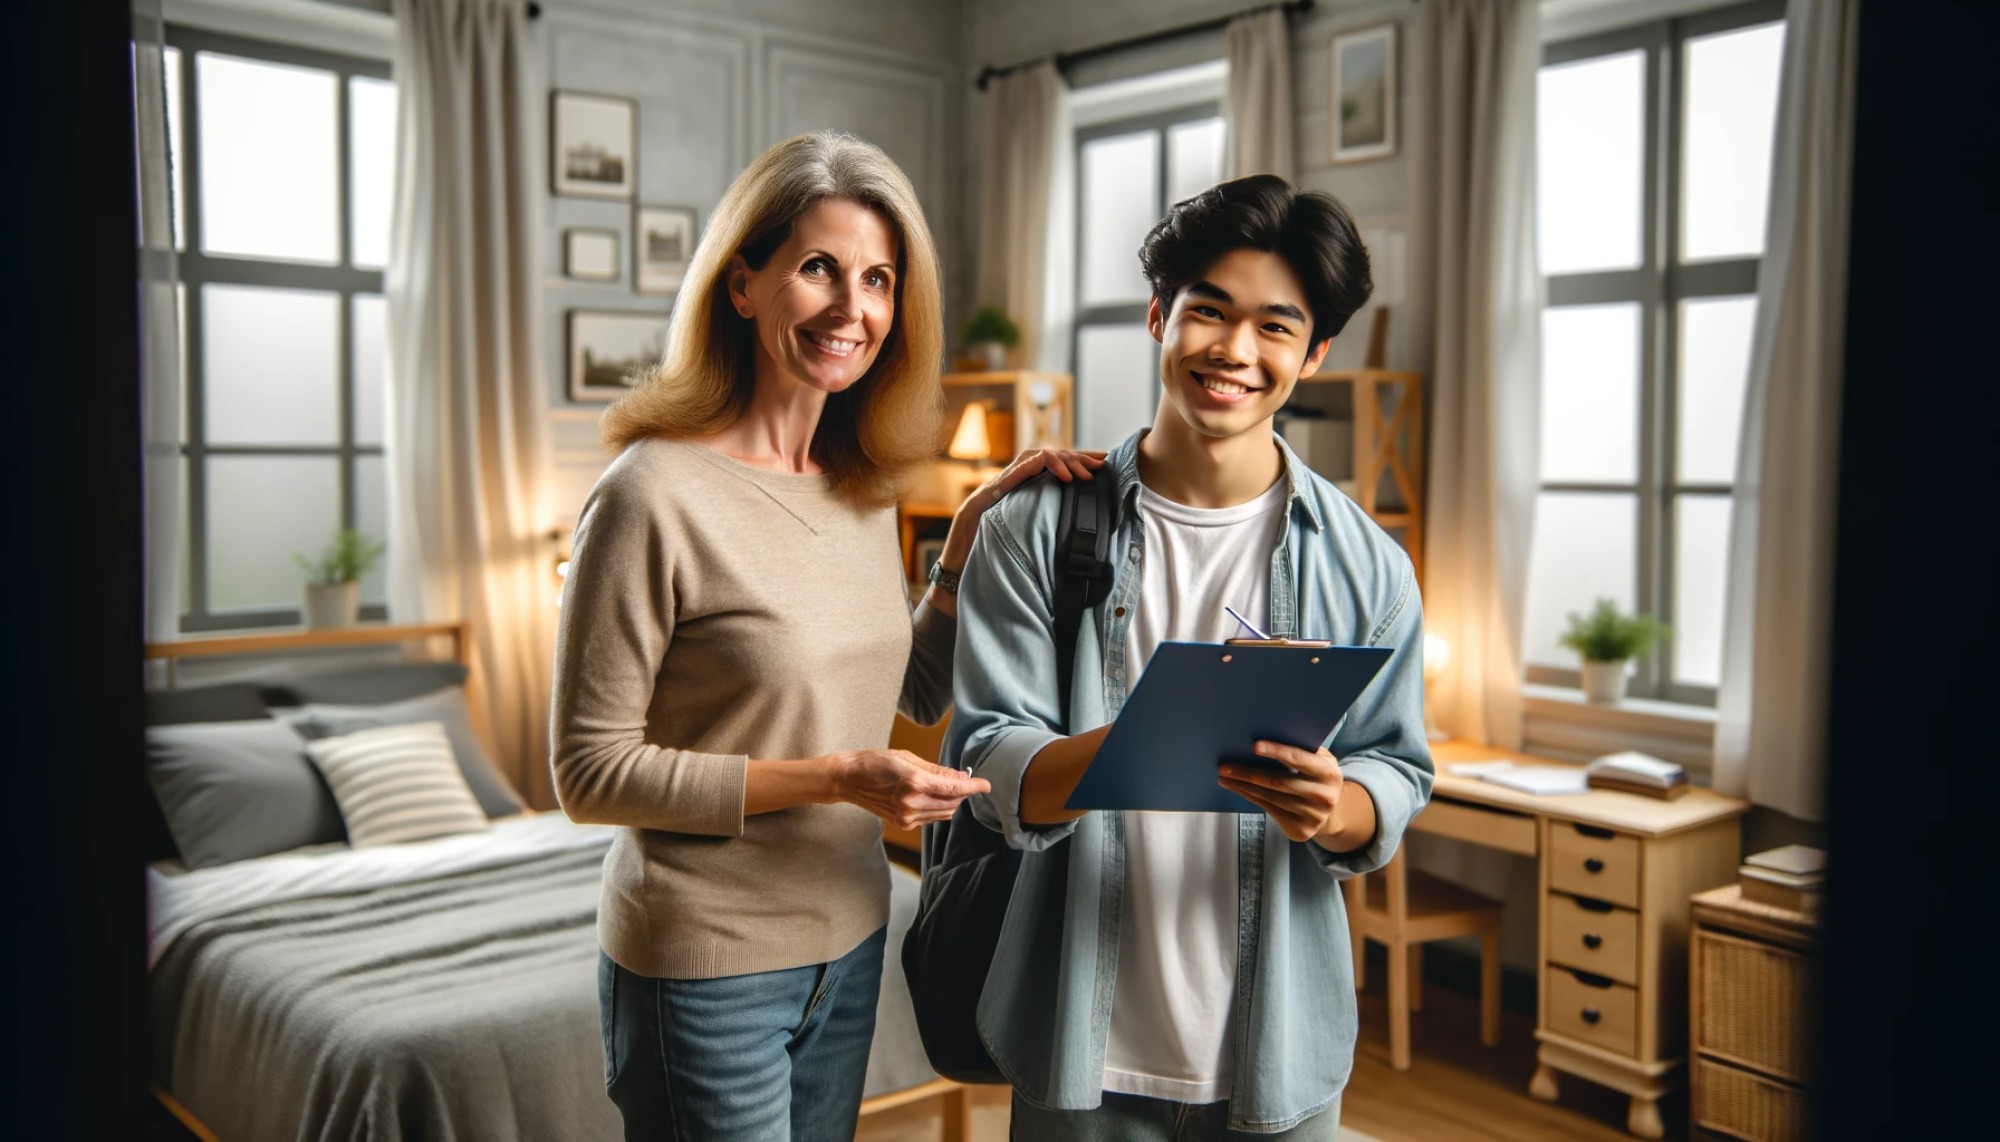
x,y
1170,1012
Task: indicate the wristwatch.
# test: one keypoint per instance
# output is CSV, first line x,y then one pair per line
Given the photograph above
x,y
944,580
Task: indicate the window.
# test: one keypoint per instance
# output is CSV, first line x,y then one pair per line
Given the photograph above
x,y
1654,169
1128,174
283,164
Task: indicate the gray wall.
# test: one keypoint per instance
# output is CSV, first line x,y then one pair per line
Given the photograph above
x,y
717,81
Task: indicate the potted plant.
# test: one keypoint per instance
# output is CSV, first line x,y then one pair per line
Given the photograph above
x,y
989,333
333,580
1607,639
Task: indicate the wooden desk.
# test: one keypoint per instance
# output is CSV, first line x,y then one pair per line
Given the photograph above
x,y
1616,871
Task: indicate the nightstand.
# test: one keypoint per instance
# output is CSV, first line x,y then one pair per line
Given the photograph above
x,y
1751,970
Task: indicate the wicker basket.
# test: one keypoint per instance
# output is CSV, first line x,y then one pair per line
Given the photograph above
x,y
1747,1105
1753,996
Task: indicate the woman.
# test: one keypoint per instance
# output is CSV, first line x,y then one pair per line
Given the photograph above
x,y
735,639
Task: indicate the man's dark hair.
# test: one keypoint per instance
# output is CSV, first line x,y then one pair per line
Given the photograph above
x,y
1311,231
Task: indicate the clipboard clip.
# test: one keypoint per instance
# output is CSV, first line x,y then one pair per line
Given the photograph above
x,y
1314,643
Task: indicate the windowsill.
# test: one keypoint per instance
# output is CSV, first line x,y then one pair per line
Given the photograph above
x,y
1561,724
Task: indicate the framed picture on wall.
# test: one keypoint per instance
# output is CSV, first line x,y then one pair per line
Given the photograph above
x,y
608,350
662,243
590,254
593,145
1364,94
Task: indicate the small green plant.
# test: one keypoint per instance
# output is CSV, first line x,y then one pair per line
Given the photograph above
x,y
350,556
989,324
1607,635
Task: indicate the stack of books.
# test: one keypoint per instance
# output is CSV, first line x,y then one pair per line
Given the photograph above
x,y
1789,877
1633,772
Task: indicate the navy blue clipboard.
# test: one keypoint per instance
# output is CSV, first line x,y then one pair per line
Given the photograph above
x,y
1200,704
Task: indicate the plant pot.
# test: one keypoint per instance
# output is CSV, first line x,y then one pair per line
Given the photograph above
x,y
1604,682
993,353
333,604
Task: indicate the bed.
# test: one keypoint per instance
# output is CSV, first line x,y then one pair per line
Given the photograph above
x,y
439,989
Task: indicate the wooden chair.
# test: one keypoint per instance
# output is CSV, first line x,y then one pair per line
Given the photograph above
x,y
1403,910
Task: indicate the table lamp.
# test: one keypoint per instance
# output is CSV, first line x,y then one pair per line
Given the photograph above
x,y
1437,658
979,429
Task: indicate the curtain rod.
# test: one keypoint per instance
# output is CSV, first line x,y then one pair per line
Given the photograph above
x,y
1063,60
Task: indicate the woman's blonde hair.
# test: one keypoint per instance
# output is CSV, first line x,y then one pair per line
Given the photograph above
x,y
871,437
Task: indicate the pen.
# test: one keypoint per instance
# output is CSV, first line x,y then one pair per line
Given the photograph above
x,y
1247,624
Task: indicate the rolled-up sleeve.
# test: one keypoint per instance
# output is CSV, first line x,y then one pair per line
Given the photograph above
x,y
1005,709
617,621
1381,744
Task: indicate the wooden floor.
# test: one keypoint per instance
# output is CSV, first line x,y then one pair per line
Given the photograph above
x,y
1455,1089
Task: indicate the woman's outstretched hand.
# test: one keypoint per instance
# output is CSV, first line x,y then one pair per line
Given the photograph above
x,y
900,787
1062,463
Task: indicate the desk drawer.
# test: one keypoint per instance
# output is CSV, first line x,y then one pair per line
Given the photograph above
x,y
1603,939
1490,828
1605,1016
1593,864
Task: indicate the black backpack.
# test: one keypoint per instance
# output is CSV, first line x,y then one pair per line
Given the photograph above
x,y
969,871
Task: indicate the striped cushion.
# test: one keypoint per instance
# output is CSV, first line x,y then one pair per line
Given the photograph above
x,y
397,783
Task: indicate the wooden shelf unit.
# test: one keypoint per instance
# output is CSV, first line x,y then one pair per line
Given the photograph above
x,y
1386,409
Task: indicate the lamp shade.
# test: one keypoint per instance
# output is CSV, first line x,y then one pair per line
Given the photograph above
x,y
970,441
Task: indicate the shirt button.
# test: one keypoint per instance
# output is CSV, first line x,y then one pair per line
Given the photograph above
x,y
1119,613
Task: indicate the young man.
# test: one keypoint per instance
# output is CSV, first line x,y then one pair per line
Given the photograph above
x,y
1188,975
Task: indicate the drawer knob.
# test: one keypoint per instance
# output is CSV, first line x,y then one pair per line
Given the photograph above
x,y
1592,940
1592,1015
1593,865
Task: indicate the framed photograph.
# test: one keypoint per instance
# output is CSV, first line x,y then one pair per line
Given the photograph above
x,y
590,255
662,244
593,145
1364,94
608,350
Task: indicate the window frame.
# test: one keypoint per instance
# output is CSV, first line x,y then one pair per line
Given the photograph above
x,y
1125,313
1658,286
198,269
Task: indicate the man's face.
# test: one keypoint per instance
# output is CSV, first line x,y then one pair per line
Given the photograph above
x,y
1235,343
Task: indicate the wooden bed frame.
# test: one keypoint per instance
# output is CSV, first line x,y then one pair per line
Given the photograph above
x,y
954,1099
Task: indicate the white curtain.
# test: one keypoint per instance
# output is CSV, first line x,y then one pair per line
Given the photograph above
x,y
1475,300
1257,104
1771,709
468,428
159,321
1024,212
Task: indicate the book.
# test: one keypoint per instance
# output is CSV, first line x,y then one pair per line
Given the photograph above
x,y
1542,780
1635,768
1780,889
1618,785
1798,860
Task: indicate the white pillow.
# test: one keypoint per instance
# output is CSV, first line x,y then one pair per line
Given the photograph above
x,y
397,783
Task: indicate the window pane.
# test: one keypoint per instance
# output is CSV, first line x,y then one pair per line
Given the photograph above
x,y
1117,383
371,366
1590,393
267,160
1730,111
1585,548
1714,364
269,365
1701,565
1194,158
173,75
371,517
1591,124
262,509
371,168
1121,195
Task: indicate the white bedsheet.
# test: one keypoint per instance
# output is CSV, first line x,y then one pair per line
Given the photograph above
x,y
178,898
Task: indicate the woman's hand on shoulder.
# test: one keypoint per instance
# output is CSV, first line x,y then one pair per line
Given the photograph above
x,y
1062,463
900,787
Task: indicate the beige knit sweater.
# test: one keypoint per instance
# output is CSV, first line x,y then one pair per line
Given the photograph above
x,y
713,613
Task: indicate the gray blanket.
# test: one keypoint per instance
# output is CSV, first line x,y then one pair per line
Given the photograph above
x,y
460,1007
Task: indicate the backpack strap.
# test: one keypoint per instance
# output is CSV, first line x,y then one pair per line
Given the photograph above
x,y
1083,568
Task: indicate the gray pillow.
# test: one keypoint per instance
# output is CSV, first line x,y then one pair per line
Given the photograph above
x,y
235,790
229,702
367,685
447,706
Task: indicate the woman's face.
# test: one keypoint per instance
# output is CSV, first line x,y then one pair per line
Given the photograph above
x,y
826,300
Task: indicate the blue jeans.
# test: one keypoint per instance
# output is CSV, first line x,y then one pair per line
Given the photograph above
x,y
776,1056
1128,1118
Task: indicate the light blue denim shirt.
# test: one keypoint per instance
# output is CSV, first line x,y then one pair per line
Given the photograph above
x,y
1046,1011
